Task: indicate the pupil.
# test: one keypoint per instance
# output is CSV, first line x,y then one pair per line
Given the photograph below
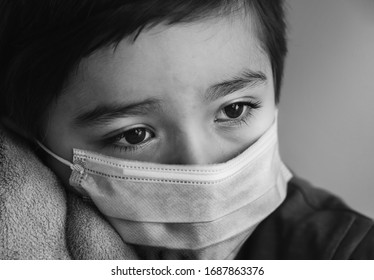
x,y
234,111
135,136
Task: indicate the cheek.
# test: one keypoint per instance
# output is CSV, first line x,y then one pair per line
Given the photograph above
x,y
62,171
234,141
257,125
60,140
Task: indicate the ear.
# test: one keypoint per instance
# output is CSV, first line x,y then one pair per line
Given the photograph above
x,y
11,125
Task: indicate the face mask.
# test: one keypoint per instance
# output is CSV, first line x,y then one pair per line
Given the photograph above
x,y
185,211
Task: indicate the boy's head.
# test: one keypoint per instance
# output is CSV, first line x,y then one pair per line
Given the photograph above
x,y
170,81
43,41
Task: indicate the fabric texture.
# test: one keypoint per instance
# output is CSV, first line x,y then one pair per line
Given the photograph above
x,y
311,224
38,220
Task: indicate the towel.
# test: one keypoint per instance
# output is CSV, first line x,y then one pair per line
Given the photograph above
x,y
40,220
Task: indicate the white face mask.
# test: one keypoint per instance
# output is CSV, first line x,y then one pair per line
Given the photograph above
x,y
185,211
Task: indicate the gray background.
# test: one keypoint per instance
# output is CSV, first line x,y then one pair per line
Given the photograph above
x,y
327,106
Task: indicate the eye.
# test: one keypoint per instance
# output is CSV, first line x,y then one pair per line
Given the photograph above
x,y
235,110
135,136
236,113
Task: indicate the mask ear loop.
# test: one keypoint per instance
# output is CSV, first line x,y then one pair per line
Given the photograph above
x,y
74,167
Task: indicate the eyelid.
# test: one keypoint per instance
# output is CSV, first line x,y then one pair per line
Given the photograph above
x,y
111,138
245,99
253,105
113,143
116,132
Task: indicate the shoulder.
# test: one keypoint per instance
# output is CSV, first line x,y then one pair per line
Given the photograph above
x,y
312,224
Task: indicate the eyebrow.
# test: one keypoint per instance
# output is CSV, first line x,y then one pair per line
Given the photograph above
x,y
105,113
247,79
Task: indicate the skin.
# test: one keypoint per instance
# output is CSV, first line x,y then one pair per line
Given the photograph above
x,y
177,66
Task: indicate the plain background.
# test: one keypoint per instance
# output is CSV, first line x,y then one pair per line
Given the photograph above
x,y
327,104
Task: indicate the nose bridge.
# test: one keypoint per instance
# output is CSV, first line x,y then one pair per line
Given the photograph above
x,y
193,146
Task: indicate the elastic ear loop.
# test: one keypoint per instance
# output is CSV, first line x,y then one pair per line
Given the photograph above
x,y
74,167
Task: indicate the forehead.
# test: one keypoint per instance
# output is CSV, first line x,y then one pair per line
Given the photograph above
x,y
168,60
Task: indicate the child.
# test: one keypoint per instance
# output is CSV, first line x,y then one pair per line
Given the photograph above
x,y
163,116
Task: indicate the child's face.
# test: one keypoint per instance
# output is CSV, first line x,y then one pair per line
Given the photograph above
x,y
198,93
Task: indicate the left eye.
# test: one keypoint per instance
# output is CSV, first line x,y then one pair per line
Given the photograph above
x,y
234,112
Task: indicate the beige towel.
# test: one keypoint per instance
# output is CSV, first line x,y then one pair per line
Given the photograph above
x,y
38,220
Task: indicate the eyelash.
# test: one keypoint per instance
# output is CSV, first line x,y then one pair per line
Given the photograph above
x,y
111,142
252,106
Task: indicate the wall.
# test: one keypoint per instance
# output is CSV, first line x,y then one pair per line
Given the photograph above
x,y
327,106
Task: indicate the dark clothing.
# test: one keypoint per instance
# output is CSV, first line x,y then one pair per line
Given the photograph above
x,y
311,224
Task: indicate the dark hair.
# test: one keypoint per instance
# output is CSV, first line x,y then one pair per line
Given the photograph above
x,y
43,41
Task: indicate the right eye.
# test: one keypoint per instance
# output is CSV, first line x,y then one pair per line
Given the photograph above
x,y
135,136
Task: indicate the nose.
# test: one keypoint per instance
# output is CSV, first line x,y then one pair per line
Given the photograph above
x,y
195,148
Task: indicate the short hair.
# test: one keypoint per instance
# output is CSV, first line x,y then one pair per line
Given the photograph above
x,y
43,41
